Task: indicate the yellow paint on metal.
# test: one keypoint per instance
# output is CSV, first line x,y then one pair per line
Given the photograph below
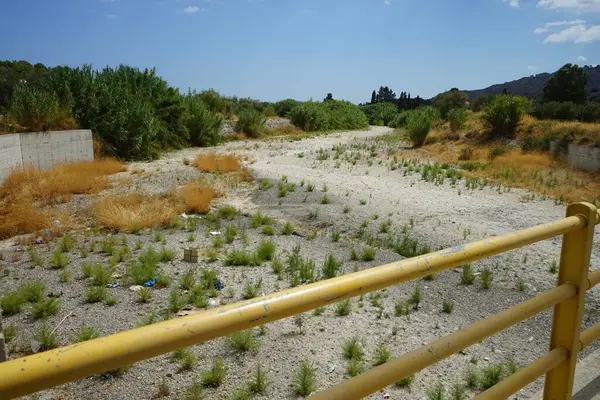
x,y
43,370
414,361
525,375
594,279
566,322
588,336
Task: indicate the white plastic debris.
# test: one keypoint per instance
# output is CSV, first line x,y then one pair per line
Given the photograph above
x,y
213,302
184,216
331,368
215,233
386,395
135,288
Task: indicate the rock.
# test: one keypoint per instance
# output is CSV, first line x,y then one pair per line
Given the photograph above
x,y
135,288
486,358
530,339
497,351
169,375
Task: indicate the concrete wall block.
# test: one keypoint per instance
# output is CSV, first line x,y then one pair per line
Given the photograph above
x,y
44,149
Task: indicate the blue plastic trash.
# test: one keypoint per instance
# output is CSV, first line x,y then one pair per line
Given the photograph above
x,y
151,282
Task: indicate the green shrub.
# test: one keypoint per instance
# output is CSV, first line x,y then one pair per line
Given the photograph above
x,y
304,381
418,124
503,114
215,376
46,337
204,126
99,275
32,292
449,100
404,382
12,303
85,333
284,107
95,294
457,118
45,308
38,110
258,384
310,117
243,341
331,267
399,121
265,251
384,112
251,122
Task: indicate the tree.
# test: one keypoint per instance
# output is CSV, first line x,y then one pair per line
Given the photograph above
x,y
566,84
446,101
373,97
504,91
329,97
385,94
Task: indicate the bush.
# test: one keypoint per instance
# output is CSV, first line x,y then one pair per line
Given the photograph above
x,y
399,121
503,114
385,112
589,112
458,118
251,122
310,117
481,102
332,114
446,101
203,125
284,107
38,110
418,123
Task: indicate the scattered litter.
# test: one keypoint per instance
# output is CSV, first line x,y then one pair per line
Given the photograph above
x,y
113,285
184,216
136,288
386,395
39,241
331,369
19,248
116,276
48,234
218,284
531,339
213,302
486,358
297,234
215,233
150,283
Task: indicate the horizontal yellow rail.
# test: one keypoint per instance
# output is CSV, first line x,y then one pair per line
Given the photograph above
x,y
525,375
374,379
51,368
590,335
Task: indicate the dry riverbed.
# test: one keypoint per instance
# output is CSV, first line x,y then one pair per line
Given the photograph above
x,y
340,192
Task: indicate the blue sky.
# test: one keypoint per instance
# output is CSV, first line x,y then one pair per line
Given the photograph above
x,y
275,49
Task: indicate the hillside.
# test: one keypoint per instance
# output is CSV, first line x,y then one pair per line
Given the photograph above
x,y
531,86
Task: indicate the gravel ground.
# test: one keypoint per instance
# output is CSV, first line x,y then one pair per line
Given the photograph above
x,y
436,215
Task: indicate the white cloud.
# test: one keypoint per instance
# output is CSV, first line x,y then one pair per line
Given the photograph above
x,y
576,34
512,3
533,67
549,25
582,58
192,9
573,5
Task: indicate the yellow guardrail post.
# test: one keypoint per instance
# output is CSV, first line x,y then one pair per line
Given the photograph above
x,y
566,323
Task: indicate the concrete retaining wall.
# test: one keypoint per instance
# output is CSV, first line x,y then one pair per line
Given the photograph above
x,y
582,157
44,149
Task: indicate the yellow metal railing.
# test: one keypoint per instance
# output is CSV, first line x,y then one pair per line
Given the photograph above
x,y
51,368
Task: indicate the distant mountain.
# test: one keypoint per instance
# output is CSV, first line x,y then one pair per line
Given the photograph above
x,y
532,86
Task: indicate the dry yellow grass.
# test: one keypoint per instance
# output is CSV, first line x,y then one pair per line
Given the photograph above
x,y
222,163
26,191
213,162
538,172
135,211
197,197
